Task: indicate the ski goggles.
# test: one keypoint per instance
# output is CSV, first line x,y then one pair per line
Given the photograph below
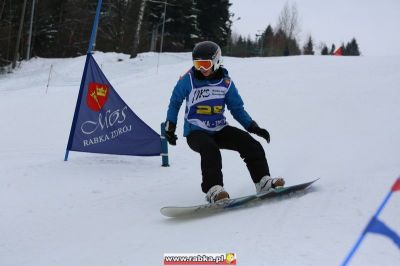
x,y
203,64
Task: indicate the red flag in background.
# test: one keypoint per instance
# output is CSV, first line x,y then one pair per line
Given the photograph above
x,y
396,186
339,51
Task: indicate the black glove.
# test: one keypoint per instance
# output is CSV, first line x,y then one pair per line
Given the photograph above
x,y
254,128
170,132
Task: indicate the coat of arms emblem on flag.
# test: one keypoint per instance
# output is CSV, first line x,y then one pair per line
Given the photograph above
x,y
97,96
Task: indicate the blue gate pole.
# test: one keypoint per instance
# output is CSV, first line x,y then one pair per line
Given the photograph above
x,y
90,48
164,147
66,155
94,29
77,107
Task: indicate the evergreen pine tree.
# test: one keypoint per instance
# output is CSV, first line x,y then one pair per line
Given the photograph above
x,y
181,30
112,30
240,48
251,48
186,29
353,48
348,49
308,49
267,41
344,50
333,49
324,50
213,20
293,46
279,44
48,29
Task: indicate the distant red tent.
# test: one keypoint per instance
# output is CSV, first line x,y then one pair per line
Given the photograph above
x,y
339,51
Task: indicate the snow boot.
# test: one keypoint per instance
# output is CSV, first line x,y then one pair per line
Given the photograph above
x,y
267,183
216,194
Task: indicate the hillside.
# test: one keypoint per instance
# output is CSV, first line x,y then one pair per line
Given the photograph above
x,y
335,118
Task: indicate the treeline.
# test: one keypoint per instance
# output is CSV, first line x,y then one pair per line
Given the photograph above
x,y
62,28
268,44
279,44
282,41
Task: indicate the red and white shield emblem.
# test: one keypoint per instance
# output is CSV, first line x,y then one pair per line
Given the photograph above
x,y
97,96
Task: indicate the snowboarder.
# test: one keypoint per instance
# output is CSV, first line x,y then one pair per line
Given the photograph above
x,y
207,89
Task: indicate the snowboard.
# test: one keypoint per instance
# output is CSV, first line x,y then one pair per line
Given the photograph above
x,y
210,208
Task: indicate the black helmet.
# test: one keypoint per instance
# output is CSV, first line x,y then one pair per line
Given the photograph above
x,y
208,50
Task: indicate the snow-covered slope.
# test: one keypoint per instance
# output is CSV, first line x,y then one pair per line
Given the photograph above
x,y
336,118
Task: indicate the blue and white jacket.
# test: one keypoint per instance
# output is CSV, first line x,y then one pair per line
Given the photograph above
x,y
205,103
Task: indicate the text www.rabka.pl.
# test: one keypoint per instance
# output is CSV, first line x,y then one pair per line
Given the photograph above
x,y
199,258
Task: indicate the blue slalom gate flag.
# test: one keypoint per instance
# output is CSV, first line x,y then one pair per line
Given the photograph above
x,y
103,122
378,227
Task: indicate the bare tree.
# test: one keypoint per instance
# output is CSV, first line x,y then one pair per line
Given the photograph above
x,y
288,21
2,8
21,24
134,51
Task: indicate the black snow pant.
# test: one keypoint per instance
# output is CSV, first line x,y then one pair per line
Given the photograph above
x,y
230,138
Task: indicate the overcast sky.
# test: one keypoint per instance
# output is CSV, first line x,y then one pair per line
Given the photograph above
x,y
374,23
